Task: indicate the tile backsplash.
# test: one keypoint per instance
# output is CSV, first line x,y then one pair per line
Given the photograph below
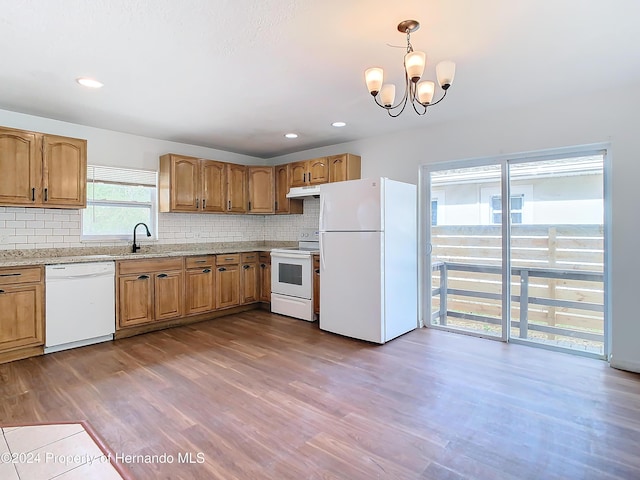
x,y
31,228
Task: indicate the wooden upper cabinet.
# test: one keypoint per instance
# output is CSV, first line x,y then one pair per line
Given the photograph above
x,y
344,167
236,188
284,204
298,174
20,166
213,179
42,170
64,171
179,184
261,189
317,171
309,172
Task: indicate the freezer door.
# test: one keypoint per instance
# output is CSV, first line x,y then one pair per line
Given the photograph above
x,y
351,303
351,206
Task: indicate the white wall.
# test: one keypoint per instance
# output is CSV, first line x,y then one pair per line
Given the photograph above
x,y
610,116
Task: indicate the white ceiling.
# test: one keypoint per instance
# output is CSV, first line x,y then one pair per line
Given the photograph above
x,y
238,74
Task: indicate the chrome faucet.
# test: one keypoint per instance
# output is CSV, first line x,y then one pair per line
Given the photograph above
x,y
135,247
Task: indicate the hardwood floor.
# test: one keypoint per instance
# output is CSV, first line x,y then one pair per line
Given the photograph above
x,y
262,396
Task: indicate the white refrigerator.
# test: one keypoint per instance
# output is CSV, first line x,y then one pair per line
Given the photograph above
x,y
368,259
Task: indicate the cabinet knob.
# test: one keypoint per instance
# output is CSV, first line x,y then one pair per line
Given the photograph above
x,y
263,265
222,269
206,270
46,194
33,194
143,277
162,275
1,291
245,267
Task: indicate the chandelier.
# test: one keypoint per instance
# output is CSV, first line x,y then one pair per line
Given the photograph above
x,y
420,94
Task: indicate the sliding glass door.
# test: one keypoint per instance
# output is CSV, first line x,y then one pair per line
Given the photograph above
x,y
557,253
514,249
466,251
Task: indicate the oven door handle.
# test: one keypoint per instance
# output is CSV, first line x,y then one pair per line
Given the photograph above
x,y
288,255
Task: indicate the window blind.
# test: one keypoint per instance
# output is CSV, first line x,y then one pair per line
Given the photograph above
x,y
121,176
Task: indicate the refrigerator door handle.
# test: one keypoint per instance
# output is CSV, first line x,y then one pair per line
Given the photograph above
x,y
322,250
322,214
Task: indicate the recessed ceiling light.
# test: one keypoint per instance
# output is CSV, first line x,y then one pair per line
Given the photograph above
x,y
89,82
339,124
291,135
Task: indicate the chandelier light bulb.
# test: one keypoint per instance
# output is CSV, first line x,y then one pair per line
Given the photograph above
x,y
414,63
373,77
388,94
445,71
425,92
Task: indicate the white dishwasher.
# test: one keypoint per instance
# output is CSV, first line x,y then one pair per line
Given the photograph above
x,y
80,305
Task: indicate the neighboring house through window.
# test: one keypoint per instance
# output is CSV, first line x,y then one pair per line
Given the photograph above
x,y
517,207
117,199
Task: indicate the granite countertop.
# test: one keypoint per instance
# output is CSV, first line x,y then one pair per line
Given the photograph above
x,y
56,256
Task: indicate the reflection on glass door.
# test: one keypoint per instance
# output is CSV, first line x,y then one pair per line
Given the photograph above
x,y
466,251
557,253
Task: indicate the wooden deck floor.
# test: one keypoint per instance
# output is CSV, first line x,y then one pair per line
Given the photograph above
x,y
262,396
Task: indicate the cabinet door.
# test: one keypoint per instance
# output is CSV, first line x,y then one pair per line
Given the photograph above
x,y
21,316
236,188
213,180
250,283
64,172
316,284
317,171
227,286
167,295
260,189
298,174
20,166
284,204
199,292
184,188
343,167
265,282
135,300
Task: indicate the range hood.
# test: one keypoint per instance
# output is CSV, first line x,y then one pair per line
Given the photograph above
x,y
301,192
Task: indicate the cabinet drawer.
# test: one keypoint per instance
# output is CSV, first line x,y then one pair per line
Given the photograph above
x,y
229,259
20,275
265,257
249,257
148,265
200,261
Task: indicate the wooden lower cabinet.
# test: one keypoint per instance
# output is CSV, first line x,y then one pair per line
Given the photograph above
x,y
21,312
135,300
227,280
249,278
167,295
316,284
148,291
265,277
200,284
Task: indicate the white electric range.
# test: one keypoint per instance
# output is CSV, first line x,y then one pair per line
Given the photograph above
x,y
292,277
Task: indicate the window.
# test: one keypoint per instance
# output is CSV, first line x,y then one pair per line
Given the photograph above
x,y
117,199
517,206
